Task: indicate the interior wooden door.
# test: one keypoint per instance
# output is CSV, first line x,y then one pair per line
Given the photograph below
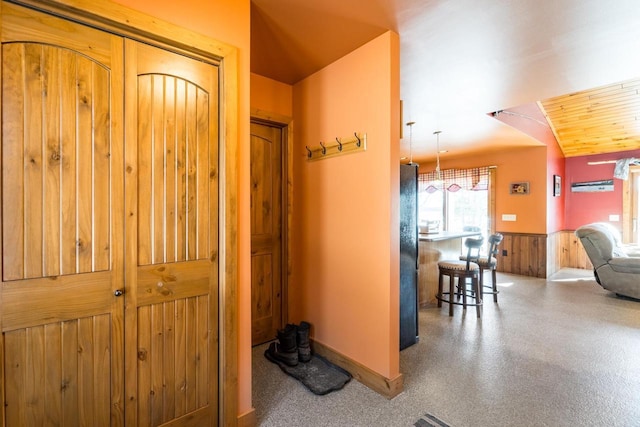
x,y
266,232
62,223
172,238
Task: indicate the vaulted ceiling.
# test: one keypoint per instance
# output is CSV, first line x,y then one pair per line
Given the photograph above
x,y
466,63
603,119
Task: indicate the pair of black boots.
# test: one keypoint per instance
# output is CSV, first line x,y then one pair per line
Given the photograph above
x,y
292,346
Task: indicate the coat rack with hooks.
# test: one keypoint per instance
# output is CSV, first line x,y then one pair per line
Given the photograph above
x,y
352,144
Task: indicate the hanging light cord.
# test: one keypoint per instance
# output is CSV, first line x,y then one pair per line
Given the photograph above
x,y
437,134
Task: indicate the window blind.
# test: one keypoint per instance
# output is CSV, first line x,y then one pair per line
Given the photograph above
x,y
475,179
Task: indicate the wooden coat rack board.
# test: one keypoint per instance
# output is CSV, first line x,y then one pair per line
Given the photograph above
x,y
353,144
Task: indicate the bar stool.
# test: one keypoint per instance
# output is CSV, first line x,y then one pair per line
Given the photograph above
x,y
462,270
489,262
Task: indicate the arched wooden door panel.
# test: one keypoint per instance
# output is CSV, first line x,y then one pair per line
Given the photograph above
x,y
172,237
62,222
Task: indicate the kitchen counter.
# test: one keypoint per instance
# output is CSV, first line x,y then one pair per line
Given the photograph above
x,y
446,235
434,247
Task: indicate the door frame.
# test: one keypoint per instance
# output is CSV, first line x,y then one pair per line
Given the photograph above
x,y
629,195
123,21
285,123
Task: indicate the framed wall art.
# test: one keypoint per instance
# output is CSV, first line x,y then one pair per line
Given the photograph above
x,y
519,188
557,185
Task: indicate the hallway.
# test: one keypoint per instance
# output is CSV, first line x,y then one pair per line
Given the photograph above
x,y
559,352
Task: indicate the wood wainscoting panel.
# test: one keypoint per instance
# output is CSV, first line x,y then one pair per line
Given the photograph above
x,y
539,255
523,254
564,250
555,254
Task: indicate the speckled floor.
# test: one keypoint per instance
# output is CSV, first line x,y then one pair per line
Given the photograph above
x,y
559,352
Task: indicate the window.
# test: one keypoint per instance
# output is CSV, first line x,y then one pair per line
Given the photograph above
x,y
459,199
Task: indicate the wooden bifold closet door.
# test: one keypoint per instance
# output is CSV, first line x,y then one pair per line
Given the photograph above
x,y
109,162
171,186
62,222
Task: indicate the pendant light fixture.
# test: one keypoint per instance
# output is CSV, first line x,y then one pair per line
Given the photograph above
x,y
438,175
410,124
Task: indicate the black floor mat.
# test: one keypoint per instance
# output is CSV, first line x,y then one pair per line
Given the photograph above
x,y
319,375
430,421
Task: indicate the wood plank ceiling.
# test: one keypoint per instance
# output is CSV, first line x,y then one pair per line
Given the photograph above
x,y
599,120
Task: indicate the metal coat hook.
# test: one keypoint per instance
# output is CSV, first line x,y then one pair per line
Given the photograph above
x,y
343,145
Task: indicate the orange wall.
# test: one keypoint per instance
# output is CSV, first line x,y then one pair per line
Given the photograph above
x,y
345,276
227,21
519,164
531,120
271,96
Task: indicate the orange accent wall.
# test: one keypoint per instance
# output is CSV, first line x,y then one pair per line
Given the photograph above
x,y
345,276
229,22
271,96
516,165
530,120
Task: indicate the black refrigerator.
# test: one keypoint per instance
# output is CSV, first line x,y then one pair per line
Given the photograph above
x,y
408,255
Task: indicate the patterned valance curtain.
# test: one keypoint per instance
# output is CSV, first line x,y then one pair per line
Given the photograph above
x,y
475,179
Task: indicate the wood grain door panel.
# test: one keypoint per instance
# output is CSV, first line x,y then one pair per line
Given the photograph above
x,y
266,232
57,144
62,227
74,391
172,237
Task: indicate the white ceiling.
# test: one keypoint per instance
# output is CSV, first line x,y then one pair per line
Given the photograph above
x,y
460,59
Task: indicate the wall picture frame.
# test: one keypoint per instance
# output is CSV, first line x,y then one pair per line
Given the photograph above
x,y
557,185
519,188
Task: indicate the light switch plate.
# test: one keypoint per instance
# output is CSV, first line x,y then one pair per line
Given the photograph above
x,y
614,218
508,217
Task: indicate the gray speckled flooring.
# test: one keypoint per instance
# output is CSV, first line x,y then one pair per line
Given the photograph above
x,y
559,352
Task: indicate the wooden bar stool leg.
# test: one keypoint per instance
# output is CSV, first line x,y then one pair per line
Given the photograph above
x,y
440,275
495,285
464,291
451,292
475,282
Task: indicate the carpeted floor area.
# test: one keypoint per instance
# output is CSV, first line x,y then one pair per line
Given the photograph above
x,y
559,352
